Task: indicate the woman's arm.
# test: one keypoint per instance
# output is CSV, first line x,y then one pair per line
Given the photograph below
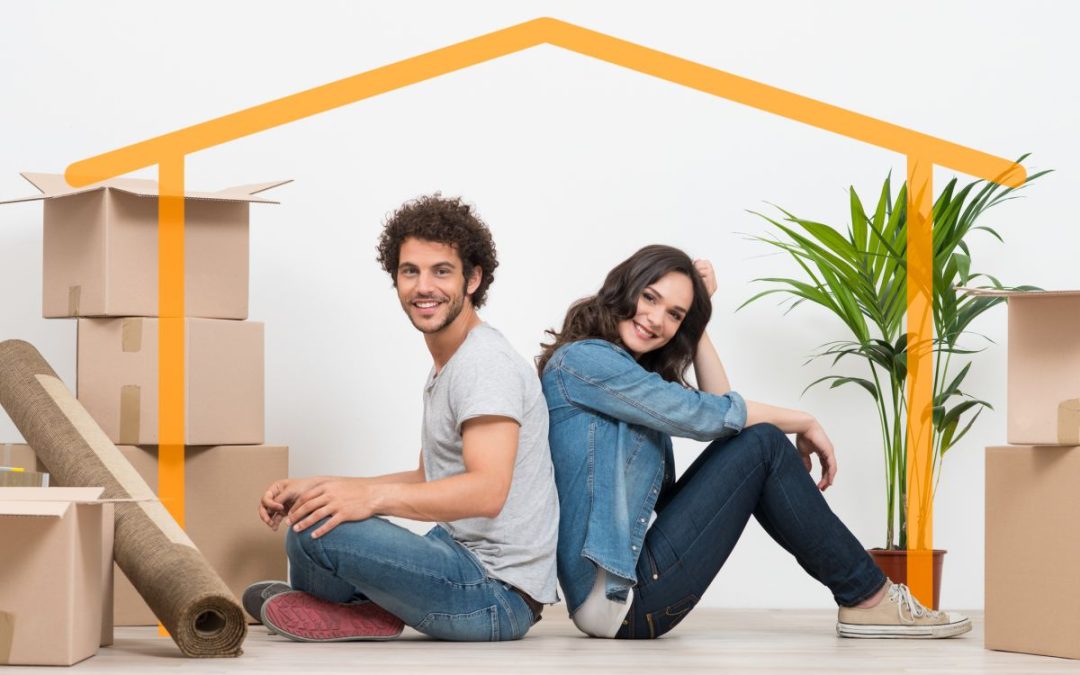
x,y
708,369
810,437
789,421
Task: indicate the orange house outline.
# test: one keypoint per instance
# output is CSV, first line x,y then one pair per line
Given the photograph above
x,y
922,151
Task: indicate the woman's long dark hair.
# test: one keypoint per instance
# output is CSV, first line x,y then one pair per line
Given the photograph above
x,y
598,316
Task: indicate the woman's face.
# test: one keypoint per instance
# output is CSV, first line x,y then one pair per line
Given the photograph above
x,y
661,308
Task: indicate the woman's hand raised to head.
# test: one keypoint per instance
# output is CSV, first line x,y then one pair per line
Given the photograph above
x,y
708,275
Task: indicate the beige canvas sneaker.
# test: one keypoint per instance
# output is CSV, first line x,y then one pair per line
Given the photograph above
x,y
899,615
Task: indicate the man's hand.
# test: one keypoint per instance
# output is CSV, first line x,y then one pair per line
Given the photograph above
x,y
280,496
813,441
339,499
708,275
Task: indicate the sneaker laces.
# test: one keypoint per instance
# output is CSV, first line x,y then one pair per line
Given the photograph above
x,y
901,595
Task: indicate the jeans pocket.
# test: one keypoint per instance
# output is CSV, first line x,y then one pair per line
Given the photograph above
x,y
479,626
663,621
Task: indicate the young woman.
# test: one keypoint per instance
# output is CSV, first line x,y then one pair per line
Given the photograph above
x,y
637,548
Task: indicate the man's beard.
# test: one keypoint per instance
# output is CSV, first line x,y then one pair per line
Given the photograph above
x,y
452,313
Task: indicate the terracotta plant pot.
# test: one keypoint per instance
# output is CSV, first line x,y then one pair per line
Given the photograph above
x,y
894,565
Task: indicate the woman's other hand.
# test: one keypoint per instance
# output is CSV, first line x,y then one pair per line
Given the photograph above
x,y
708,275
814,441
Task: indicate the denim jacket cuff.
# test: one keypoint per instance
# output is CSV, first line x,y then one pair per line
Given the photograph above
x,y
736,414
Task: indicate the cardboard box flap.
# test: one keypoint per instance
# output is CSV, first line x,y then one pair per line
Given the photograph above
x,y
76,495
1007,293
53,185
246,192
40,501
33,508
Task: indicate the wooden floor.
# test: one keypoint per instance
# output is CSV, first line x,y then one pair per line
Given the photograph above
x,y
709,640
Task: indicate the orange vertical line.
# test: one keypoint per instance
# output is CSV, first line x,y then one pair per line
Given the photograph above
x,y
171,366
920,299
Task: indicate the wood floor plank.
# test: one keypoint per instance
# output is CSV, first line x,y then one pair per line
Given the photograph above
x,y
709,640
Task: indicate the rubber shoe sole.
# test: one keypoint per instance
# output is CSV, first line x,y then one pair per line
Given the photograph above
x,y
256,595
305,618
927,632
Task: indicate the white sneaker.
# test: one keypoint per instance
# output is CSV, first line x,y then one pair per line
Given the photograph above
x,y
899,615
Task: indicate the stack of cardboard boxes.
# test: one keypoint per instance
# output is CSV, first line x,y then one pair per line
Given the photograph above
x,y
101,268
1033,484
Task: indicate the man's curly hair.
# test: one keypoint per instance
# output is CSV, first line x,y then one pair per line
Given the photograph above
x,y
445,221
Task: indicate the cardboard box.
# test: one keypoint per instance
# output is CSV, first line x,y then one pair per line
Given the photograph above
x,y
1043,367
222,489
100,248
20,455
56,562
222,486
117,379
1032,550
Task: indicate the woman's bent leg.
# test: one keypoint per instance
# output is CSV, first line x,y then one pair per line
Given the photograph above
x,y
758,472
431,582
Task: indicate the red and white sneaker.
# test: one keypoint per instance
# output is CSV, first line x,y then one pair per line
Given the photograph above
x,y
305,618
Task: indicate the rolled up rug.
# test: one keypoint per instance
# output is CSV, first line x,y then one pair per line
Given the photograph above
x,y
184,592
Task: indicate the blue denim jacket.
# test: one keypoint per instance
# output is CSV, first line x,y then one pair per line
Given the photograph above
x,y
611,423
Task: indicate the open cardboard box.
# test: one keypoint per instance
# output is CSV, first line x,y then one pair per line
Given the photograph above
x,y
56,562
1043,366
101,248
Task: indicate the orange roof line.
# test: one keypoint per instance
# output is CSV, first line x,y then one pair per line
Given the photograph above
x,y
523,36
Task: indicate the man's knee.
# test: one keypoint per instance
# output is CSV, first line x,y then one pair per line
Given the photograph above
x,y
298,545
355,534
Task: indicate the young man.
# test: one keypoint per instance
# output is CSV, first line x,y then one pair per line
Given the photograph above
x,y
485,477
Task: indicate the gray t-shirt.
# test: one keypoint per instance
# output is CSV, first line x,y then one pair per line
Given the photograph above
x,y
485,376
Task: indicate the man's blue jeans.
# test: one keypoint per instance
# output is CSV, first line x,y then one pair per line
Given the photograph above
x,y
757,472
430,582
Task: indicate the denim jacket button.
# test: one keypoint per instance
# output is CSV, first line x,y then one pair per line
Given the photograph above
x,y
641,520
633,548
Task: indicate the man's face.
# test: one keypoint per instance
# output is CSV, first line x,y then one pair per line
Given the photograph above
x,y
431,283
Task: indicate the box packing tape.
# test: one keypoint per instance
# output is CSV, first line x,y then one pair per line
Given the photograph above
x,y
131,331
74,298
130,414
1068,430
7,636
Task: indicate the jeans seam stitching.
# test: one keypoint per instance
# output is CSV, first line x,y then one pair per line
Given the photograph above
x,y
406,568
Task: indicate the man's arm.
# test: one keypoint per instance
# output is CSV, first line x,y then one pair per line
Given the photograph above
x,y
413,476
281,496
489,451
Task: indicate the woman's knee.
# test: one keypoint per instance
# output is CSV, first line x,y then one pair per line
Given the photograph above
x,y
764,431
771,441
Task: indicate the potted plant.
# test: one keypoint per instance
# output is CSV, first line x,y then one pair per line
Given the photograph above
x,y
860,276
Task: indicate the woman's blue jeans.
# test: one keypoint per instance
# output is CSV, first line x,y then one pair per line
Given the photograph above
x,y
430,582
757,472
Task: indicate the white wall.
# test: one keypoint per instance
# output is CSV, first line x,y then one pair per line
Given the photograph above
x,y
574,164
